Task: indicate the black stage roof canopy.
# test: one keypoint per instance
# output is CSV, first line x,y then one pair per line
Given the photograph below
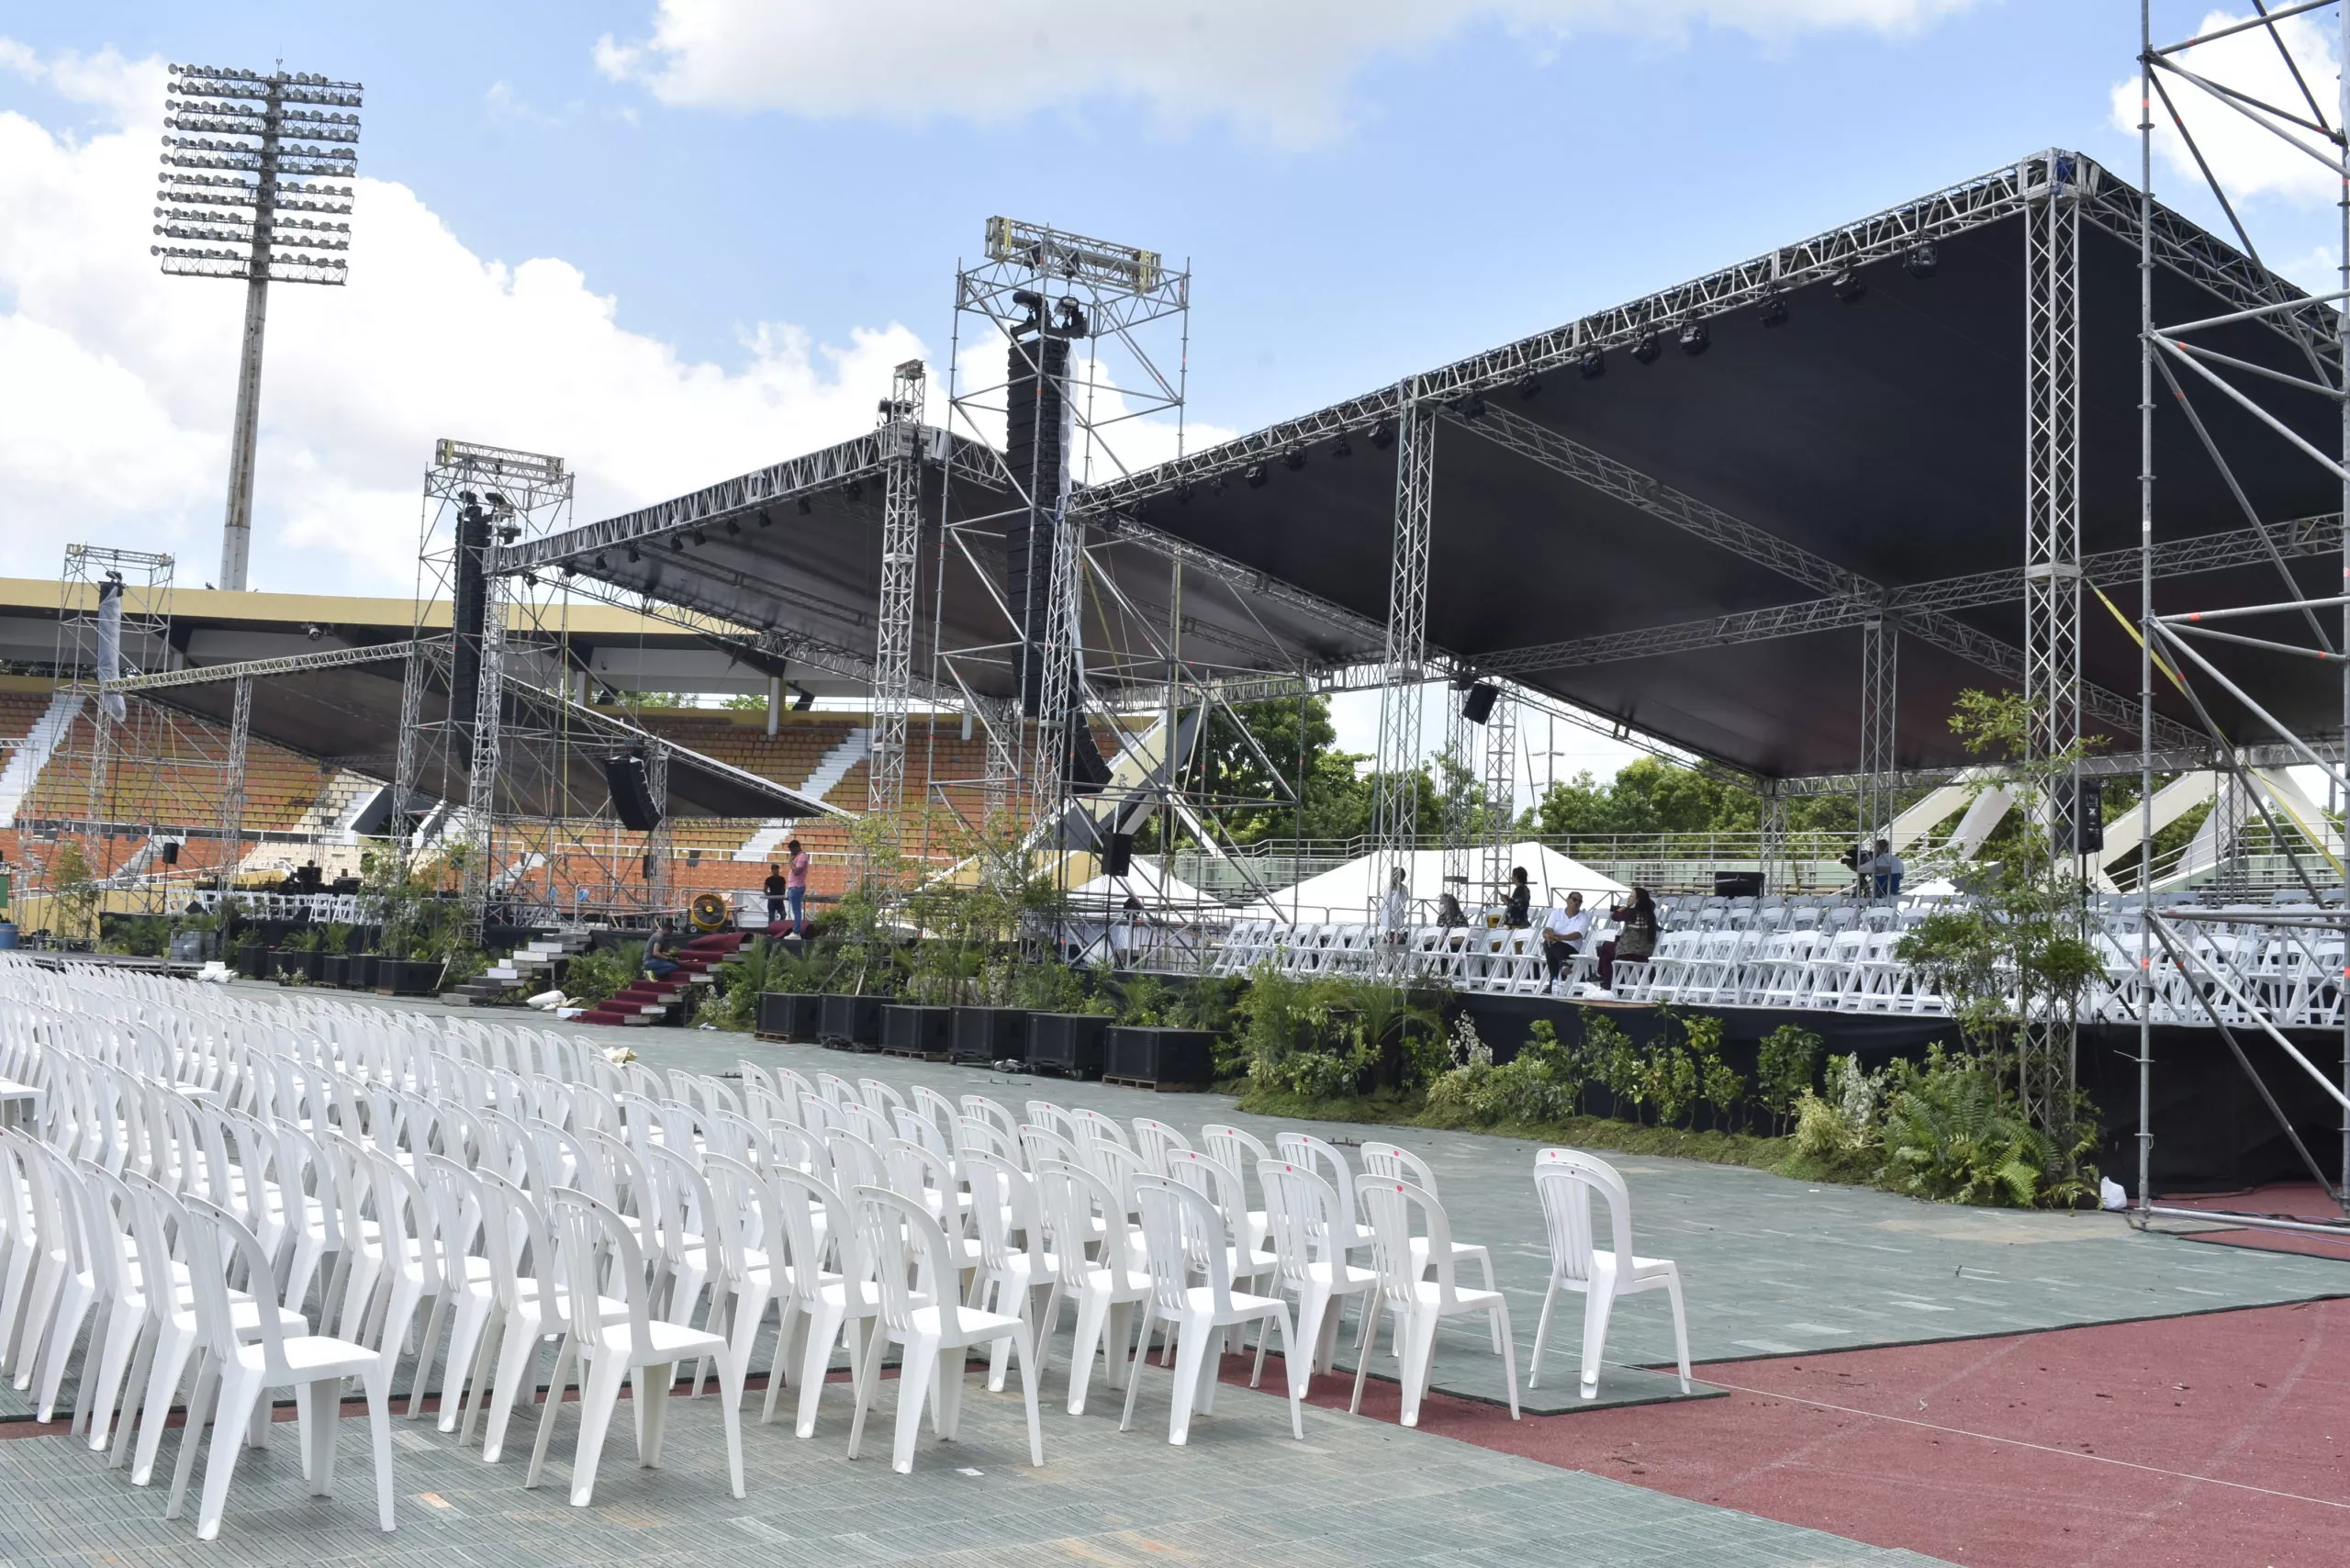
x,y
784,567
342,708
1688,543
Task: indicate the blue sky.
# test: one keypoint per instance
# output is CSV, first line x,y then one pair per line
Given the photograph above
x,y
732,203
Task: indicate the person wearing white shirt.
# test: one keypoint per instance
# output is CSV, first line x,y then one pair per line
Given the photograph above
x,y
1395,909
1564,932
1885,869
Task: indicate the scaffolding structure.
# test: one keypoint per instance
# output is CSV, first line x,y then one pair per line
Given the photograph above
x,y
468,746
2209,68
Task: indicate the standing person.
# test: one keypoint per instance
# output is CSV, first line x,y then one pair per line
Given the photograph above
x,y
796,886
1518,913
1564,935
775,888
1885,871
1395,909
1634,940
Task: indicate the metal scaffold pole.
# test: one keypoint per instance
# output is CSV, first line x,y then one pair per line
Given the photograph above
x,y
894,636
1880,712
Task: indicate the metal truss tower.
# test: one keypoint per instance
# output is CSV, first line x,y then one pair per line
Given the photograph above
x,y
2231,73
901,556
1501,792
500,628
1091,338
1880,708
260,188
1403,668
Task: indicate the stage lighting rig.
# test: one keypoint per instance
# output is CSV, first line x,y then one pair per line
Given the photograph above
x,y
1342,447
1848,286
1293,459
1255,475
1592,363
1529,387
806,505
1773,310
1470,406
1645,350
1695,337
1382,434
254,185
1921,262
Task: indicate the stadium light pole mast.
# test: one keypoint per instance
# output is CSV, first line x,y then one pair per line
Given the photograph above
x,y
253,191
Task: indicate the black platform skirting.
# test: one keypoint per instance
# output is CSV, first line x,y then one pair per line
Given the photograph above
x,y
2213,1132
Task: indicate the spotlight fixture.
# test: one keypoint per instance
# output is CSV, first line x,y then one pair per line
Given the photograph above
x,y
1847,285
1646,350
531,578
603,562
1183,493
1382,434
700,537
805,506
1215,486
632,553
1293,459
732,527
855,490
571,568
677,544
1255,475
1695,337
1470,406
314,632
507,533
765,520
1773,310
1592,363
1342,447
1921,262
1529,388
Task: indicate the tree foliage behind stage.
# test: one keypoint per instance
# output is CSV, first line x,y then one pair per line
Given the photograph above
x,y
1651,795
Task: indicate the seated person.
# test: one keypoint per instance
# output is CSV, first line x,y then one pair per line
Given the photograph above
x,y
1563,934
1635,940
661,952
1447,912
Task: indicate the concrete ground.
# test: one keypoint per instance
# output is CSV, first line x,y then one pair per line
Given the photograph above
x,y
1868,1356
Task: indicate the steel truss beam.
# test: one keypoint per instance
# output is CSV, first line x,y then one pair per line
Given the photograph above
x,y
2301,539
2177,246
1865,599
263,670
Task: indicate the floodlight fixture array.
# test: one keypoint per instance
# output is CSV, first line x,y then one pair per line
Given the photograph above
x,y
255,184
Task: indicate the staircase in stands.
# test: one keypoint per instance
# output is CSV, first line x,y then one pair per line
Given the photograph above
x,y
653,1001
523,969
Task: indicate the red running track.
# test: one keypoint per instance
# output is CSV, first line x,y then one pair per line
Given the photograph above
x,y
2197,1443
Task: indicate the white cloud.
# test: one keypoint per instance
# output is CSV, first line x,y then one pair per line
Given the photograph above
x,y
1280,70
114,406
2250,162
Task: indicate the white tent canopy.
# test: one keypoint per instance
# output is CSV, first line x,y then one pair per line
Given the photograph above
x,y
1157,889
1345,893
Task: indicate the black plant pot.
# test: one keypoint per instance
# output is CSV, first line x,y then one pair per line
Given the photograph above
x,y
1165,1058
409,977
253,960
299,963
857,1019
332,967
989,1034
789,1016
917,1031
1067,1043
359,970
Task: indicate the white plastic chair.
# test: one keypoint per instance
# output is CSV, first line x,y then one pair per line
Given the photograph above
x,y
597,1244
1415,1301
1185,1238
1299,1205
234,1373
1566,1179
1078,1205
1392,1161
917,1273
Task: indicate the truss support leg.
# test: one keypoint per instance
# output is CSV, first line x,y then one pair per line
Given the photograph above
x,y
893,654
1396,788
1880,687
2052,561
483,767
232,799
1460,788
1773,846
1501,797
657,841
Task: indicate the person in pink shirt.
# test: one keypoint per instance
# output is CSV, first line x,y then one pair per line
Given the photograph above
x,y
796,886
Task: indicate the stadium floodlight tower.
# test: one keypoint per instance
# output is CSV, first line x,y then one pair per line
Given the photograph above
x,y
255,184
